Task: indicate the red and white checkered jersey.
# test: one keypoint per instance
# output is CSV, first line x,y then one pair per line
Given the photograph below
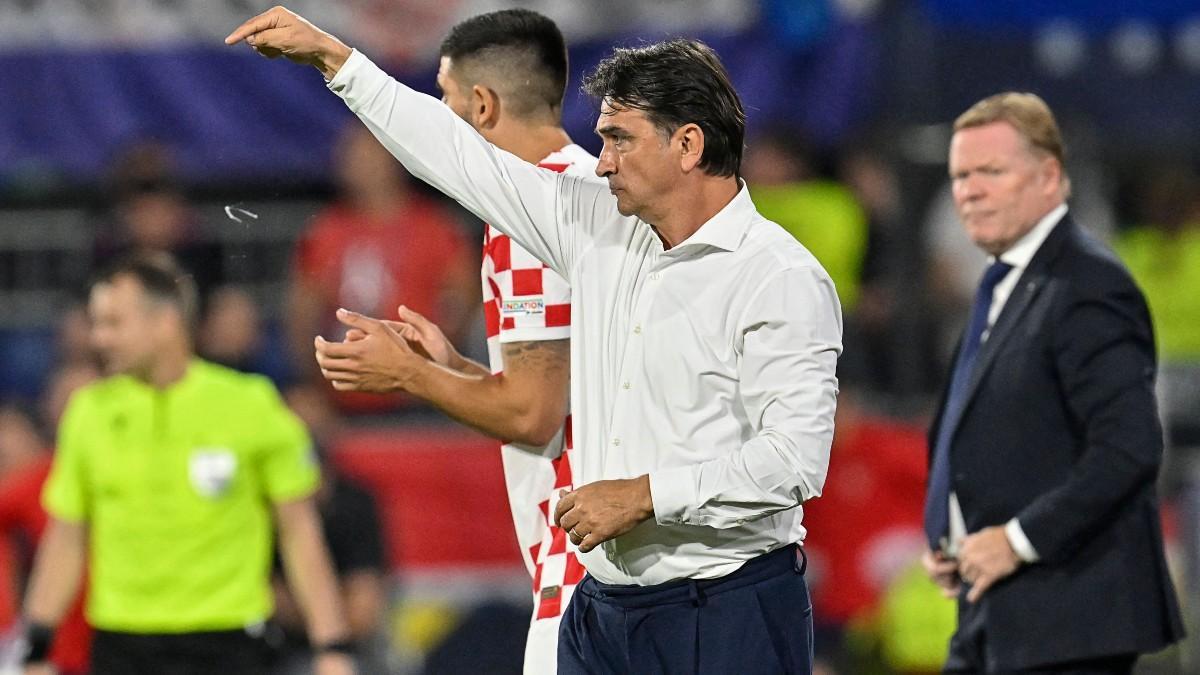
x,y
524,300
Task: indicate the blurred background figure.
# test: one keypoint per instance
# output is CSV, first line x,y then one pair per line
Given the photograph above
x,y
354,536
148,210
381,243
25,459
233,333
865,538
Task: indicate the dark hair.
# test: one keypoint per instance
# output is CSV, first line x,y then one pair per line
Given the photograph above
x,y
162,279
523,48
676,83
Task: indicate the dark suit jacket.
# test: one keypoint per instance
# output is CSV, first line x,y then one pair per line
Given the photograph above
x,y
1060,429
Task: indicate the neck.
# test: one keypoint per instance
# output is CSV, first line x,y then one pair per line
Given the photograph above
x,y
168,368
531,141
691,204
379,204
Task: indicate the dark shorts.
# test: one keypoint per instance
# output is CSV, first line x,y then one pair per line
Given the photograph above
x,y
230,652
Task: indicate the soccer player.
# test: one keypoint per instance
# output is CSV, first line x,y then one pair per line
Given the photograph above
x,y
169,480
505,73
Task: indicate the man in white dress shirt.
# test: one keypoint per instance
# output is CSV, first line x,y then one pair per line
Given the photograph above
x,y
703,350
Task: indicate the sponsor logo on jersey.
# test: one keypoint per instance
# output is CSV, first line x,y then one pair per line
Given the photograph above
x,y
523,307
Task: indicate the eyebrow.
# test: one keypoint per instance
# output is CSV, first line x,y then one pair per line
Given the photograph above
x,y
611,130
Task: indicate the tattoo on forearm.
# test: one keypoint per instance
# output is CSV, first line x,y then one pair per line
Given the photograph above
x,y
542,355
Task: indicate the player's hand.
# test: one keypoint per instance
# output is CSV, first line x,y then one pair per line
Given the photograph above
x,y
332,663
599,511
944,572
40,668
374,357
984,558
281,32
426,338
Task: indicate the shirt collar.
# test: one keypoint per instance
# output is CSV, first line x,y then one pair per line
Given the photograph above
x,y
1023,251
185,382
726,229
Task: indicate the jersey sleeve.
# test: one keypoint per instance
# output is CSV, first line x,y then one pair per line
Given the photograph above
x,y
534,300
66,493
287,460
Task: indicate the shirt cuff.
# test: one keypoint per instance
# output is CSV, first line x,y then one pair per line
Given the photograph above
x,y
1019,542
344,74
673,492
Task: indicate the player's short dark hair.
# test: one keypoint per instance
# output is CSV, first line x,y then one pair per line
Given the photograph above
x,y
519,46
675,83
161,277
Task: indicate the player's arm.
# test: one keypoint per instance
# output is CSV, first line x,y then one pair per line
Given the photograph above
x,y
524,404
428,340
310,577
54,582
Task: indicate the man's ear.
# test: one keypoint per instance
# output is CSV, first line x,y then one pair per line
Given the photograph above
x,y
690,140
1052,173
485,106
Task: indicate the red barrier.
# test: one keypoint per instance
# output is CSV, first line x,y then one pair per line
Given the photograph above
x,y
441,495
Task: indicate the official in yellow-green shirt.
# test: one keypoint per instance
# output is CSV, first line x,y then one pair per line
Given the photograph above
x,y
170,480
176,486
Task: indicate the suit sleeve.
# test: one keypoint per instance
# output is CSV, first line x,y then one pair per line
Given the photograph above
x,y
1103,350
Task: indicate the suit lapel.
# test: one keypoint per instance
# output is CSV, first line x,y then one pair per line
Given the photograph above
x,y
1032,281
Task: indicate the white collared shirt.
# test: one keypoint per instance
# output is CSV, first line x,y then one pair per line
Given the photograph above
x,y
1018,255
709,366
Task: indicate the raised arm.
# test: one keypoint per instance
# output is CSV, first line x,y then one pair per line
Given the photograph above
x,y
552,215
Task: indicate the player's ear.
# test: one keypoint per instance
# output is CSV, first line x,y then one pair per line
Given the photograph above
x,y
485,105
689,139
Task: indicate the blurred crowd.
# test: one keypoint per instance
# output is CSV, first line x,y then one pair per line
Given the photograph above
x,y
903,269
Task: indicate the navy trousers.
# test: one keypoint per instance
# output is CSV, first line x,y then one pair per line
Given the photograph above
x,y
755,621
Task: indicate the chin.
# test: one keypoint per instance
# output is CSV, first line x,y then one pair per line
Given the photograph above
x,y
624,208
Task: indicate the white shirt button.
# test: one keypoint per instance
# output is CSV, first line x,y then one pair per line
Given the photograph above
x,y
637,330
611,555
616,441
626,385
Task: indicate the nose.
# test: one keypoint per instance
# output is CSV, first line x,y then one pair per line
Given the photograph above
x,y
968,188
605,166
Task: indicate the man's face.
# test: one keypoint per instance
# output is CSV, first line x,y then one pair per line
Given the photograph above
x,y
637,160
1001,187
127,328
452,92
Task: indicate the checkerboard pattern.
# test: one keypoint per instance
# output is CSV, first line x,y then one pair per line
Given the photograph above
x,y
524,300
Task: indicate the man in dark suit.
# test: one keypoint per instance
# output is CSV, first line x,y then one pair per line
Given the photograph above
x,y
1041,509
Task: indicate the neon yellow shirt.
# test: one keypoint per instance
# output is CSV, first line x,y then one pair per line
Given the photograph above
x,y
827,219
1168,270
176,488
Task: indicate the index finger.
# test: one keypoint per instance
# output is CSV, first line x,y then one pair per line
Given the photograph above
x,y
565,503
265,21
337,350
977,589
